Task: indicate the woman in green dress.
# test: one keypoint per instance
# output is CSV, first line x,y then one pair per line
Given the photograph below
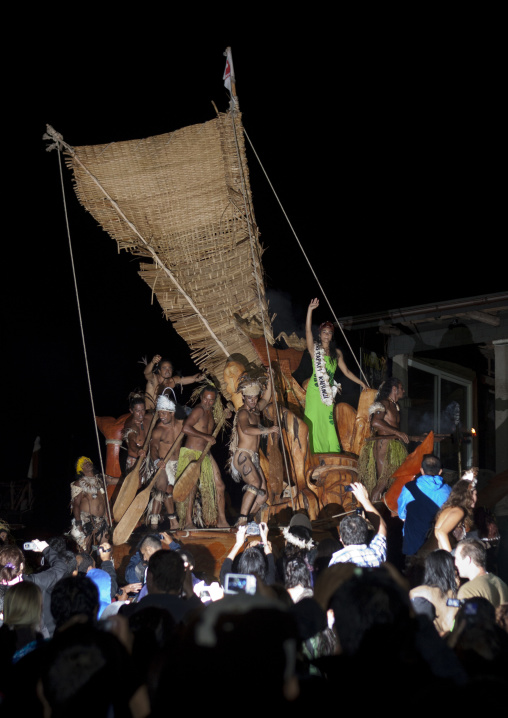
x,y
321,390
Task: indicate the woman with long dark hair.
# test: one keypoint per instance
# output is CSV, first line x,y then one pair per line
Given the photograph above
x,y
455,518
439,584
256,560
320,390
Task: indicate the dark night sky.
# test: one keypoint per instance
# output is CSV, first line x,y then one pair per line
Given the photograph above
x,y
383,152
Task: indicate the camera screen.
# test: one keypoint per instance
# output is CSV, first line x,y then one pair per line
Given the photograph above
x,y
237,583
240,583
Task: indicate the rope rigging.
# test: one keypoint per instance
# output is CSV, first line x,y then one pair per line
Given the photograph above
x,y
305,255
103,473
233,111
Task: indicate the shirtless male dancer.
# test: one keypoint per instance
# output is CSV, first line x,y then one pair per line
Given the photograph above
x,y
386,454
135,430
88,506
156,384
163,437
198,428
244,462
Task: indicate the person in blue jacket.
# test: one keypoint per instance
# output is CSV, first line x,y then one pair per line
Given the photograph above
x,y
419,502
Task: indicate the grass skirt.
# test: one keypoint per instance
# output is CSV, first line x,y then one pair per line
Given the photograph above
x,y
205,509
395,456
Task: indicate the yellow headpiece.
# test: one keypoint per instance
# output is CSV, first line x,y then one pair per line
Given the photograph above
x,y
81,462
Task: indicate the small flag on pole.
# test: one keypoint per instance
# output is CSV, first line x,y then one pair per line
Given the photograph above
x,y
229,73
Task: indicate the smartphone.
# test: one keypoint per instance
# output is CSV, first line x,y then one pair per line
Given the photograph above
x,y
240,583
455,602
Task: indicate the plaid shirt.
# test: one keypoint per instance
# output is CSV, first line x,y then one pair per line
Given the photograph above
x,y
369,556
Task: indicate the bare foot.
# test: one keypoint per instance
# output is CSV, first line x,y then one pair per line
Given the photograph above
x,y
174,525
223,524
190,526
242,521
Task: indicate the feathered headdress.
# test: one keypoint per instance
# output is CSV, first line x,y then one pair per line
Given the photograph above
x,y
248,386
81,462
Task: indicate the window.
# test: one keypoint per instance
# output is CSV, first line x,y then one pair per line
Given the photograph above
x,y
442,402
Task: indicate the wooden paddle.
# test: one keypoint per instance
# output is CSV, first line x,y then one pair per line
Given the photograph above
x,y
129,520
190,475
130,484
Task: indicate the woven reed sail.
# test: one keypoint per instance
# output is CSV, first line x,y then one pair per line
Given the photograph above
x,y
183,193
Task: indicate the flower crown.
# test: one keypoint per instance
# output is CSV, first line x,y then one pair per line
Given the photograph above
x,y
300,543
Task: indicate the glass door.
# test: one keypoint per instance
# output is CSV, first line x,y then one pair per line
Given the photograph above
x,y
442,402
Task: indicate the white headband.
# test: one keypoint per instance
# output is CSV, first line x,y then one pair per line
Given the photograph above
x,y
165,404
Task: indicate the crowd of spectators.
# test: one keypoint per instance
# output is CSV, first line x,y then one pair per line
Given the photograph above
x,y
324,620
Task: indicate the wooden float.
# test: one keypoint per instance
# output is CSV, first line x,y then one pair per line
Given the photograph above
x,y
211,546
196,257
208,546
